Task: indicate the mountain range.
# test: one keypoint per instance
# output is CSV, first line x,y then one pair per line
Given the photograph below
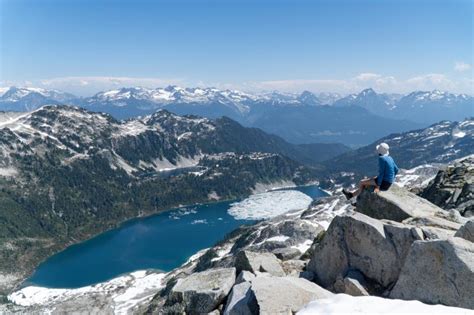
x,y
67,173
354,120
419,106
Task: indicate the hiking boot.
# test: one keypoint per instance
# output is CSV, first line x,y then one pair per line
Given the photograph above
x,y
347,194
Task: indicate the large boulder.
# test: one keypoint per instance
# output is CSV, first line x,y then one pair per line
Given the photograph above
x,y
273,295
285,295
377,249
258,262
438,272
241,301
202,292
466,231
395,204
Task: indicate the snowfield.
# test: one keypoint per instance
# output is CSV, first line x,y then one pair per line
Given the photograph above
x,y
346,304
269,204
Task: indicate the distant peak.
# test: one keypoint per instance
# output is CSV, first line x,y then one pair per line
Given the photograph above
x,y
368,91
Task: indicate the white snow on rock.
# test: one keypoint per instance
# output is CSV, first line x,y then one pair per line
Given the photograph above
x,y
417,177
346,304
8,171
303,247
126,291
269,204
459,134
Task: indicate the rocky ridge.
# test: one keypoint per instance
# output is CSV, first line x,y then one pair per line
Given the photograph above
x,y
282,264
357,255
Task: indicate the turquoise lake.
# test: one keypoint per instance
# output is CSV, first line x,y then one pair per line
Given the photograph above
x,y
163,241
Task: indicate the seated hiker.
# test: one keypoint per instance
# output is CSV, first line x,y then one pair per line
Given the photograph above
x,y
387,172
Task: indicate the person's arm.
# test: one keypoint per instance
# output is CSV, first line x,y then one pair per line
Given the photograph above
x,y
381,171
395,168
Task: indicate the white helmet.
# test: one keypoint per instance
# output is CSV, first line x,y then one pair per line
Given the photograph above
x,y
382,148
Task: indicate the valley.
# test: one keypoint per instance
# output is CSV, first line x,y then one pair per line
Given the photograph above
x,y
70,174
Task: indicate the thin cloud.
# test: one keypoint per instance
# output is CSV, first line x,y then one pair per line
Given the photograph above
x,y
89,85
92,84
380,83
461,66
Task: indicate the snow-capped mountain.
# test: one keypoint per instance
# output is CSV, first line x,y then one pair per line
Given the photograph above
x,y
419,106
298,118
155,142
376,103
434,106
174,94
139,101
421,97
28,98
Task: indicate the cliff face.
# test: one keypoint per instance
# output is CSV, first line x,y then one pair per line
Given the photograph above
x,y
392,244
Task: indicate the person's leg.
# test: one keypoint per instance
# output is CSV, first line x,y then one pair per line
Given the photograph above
x,y
362,185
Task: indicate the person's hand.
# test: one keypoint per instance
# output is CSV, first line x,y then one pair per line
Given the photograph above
x,y
376,189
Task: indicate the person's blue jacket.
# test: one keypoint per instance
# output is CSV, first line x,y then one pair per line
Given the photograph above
x,y
387,169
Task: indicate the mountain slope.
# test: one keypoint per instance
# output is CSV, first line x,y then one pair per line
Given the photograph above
x,y
439,143
353,125
67,174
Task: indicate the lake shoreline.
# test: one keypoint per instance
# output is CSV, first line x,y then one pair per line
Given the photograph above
x,y
23,281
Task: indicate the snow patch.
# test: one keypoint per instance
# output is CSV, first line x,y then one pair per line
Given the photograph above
x,y
269,204
303,247
8,171
126,291
459,134
346,304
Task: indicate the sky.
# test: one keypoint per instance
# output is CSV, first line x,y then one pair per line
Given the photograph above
x,y
84,46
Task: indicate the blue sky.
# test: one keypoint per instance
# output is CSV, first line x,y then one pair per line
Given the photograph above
x,y
84,46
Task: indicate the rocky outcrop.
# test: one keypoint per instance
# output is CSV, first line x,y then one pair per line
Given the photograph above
x,y
438,271
453,187
404,247
356,241
414,257
400,205
258,262
395,204
466,231
201,292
